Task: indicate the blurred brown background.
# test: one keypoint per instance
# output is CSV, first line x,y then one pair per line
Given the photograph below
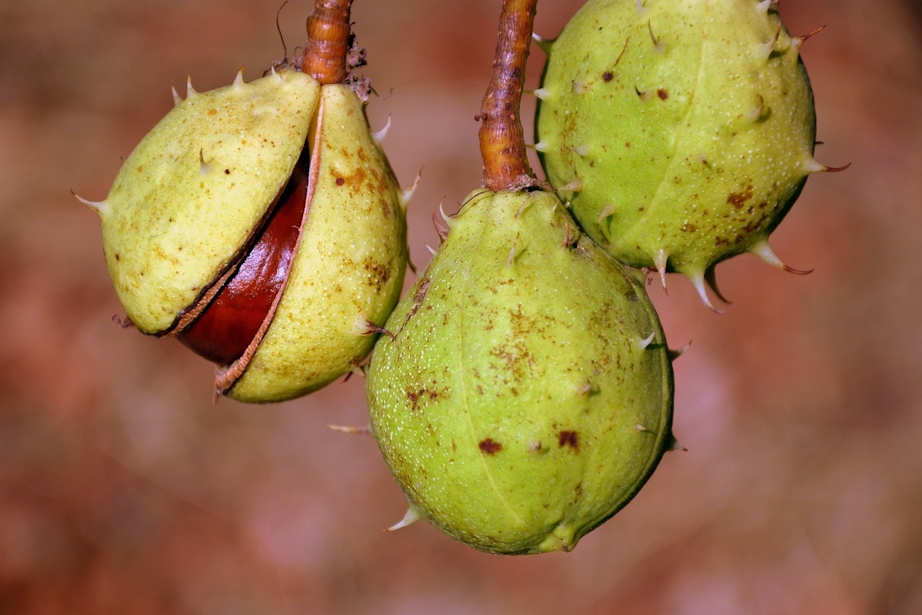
x,y
123,489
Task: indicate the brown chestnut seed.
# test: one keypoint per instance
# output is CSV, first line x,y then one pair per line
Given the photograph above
x,y
232,319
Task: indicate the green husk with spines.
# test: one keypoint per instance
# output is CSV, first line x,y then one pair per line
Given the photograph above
x,y
679,131
526,394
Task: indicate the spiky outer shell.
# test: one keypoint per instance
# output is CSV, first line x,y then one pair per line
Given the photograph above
x,y
194,193
680,131
527,394
349,266
191,194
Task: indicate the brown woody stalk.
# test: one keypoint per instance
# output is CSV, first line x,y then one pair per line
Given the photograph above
x,y
502,140
328,41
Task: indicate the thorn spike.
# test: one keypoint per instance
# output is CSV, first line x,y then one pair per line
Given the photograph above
x,y
176,97
544,43
804,37
658,46
100,207
541,93
755,113
675,354
204,167
190,91
698,281
540,146
764,251
574,186
660,260
431,249
608,210
412,516
837,169
445,217
813,166
673,445
645,343
524,206
351,430
371,329
710,276
766,49
570,237
440,230
381,134
238,80
407,194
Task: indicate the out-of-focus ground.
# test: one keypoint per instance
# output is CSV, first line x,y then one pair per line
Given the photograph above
x,y
123,489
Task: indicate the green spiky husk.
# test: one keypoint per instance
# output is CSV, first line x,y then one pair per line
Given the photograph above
x,y
681,132
517,405
188,198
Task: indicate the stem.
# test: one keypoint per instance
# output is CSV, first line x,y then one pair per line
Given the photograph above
x,y
328,41
502,140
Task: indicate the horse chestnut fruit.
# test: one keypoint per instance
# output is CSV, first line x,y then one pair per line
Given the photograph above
x,y
526,394
260,224
679,132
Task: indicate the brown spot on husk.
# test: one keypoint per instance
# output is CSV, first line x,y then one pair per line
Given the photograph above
x,y
378,273
568,438
738,199
422,396
490,446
